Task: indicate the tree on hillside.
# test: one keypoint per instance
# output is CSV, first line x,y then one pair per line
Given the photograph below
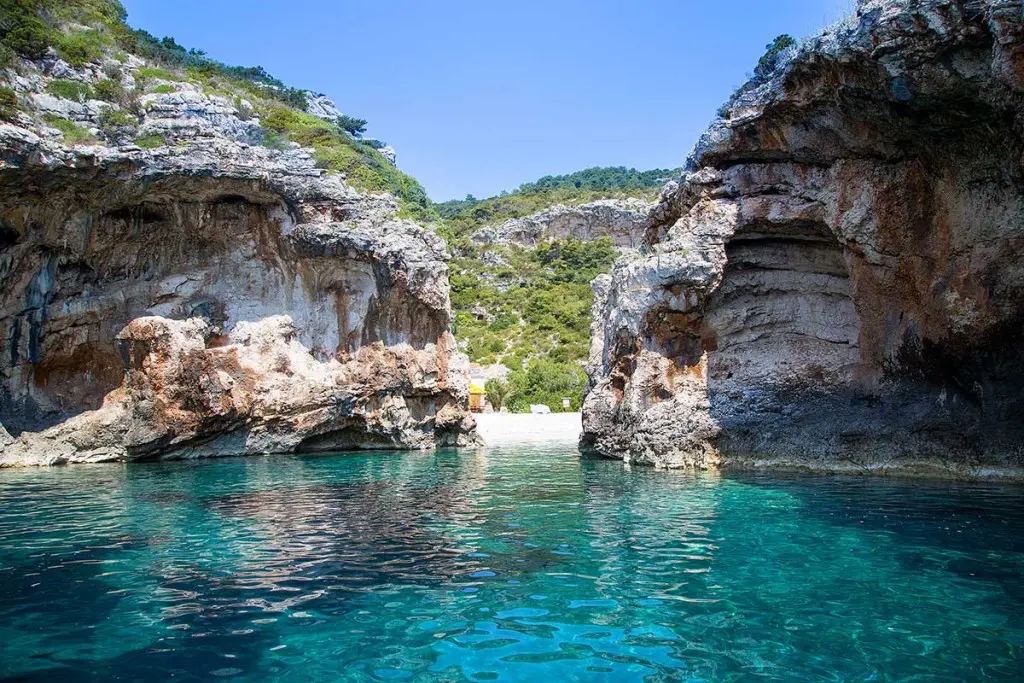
x,y
496,390
352,125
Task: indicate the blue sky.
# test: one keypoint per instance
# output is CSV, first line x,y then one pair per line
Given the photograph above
x,y
480,96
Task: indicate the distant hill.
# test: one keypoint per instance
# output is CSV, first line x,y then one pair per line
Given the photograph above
x,y
464,216
529,307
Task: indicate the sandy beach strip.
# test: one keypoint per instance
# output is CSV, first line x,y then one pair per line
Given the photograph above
x,y
508,428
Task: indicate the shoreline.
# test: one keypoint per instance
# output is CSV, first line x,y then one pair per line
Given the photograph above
x,y
497,429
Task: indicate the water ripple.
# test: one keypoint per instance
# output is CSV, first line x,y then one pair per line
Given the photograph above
x,y
508,564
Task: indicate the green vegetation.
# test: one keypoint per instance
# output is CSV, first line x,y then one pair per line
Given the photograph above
x,y
8,104
545,382
70,90
23,31
149,73
29,27
116,124
164,88
82,46
496,391
110,90
150,141
529,308
772,51
73,133
355,127
464,216
335,150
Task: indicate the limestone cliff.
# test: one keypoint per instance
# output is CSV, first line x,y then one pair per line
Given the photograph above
x,y
837,281
624,221
206,294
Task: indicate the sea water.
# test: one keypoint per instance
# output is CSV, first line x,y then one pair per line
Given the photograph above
x,y
509,564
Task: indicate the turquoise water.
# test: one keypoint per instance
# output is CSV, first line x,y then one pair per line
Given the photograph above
x,y
522,564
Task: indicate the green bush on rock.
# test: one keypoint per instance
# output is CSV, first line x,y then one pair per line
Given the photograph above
x,y
150,141
8,104
73,133
334,150
70,90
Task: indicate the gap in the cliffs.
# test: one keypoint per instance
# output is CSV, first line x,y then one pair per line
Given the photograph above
x,y
521,272
272,411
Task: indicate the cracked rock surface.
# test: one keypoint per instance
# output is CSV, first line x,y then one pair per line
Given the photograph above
x,y
209,296
836,283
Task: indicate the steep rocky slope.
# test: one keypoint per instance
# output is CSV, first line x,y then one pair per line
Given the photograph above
x,y
837,281
623,221
171,287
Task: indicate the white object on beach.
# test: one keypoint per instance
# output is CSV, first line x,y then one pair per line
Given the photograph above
x,y
540,410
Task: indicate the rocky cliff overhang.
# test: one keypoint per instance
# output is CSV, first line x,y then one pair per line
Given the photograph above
x,y
837,281
213,297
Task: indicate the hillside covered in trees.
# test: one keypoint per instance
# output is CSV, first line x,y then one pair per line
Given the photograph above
x,y
462,217
528,308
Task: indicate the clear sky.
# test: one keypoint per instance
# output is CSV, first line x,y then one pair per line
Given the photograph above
x,y
478,96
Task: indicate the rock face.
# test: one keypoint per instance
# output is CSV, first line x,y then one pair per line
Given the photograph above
x,y
625,221
211,296
837,282
321,106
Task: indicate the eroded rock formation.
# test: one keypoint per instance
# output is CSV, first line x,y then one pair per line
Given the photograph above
x,y
837,281
624,221
211,296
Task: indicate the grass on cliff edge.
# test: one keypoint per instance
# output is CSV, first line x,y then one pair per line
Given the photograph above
x,y
82,31
335,150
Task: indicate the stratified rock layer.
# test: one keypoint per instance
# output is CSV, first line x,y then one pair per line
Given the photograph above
x,y
210,297
837,281
624,221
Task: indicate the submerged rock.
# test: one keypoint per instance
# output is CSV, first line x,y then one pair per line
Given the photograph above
x,y
836,283
207,296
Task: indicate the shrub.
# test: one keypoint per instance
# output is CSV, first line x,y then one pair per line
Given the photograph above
x,y
110,90
273,140
81,46
164,88
496,390
28,36
150,141
8,104
147,73
540,298
545,382
70,90
769,60
73,133
352,125
117,125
